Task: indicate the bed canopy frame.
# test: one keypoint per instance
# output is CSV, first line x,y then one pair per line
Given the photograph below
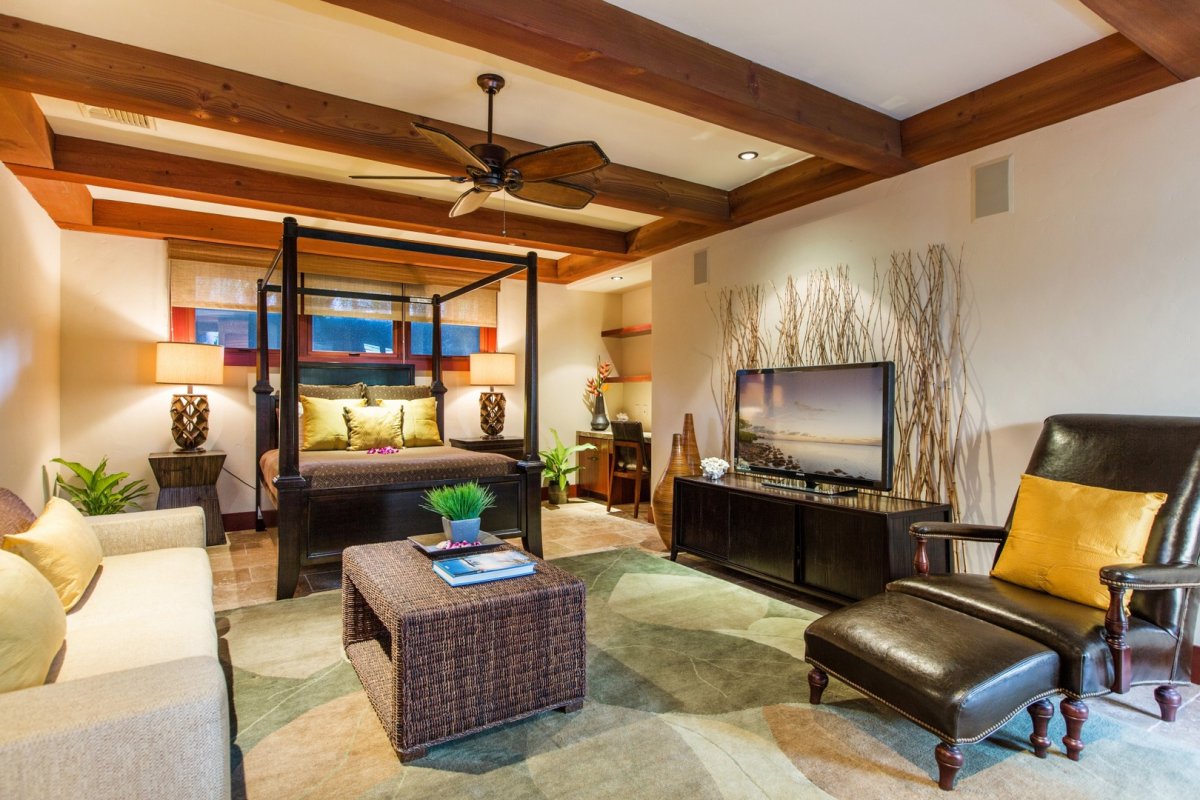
x,y
301,508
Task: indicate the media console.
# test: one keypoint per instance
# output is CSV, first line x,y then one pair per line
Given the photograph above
x,y
838,549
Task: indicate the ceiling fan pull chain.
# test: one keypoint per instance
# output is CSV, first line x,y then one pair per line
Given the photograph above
x,y
504,215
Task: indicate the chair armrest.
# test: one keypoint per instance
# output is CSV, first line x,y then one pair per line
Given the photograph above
x,y
156,731
1151,576
149,530
959,530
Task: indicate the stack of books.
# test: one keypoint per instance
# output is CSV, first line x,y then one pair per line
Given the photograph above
x,y
482,567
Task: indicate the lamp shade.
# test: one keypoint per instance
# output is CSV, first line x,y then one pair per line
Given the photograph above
x,y
493,369
184,362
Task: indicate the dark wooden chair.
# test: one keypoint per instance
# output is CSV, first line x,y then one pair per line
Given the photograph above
x,y
627,461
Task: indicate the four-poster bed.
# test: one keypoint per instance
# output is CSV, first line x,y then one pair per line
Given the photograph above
x,y
330,500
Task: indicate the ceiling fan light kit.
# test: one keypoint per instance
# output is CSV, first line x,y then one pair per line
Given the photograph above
x,y
534,176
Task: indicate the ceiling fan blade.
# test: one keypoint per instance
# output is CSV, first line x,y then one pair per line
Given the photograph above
x,y
454,178
468,201
554,193
452,147
559,161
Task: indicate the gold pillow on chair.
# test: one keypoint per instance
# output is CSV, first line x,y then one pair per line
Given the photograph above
x,y
374,426
1063,533
420,421
32,624
63,547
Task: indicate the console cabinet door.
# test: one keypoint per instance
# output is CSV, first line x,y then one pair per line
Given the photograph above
x,y
844,552
765,537
592,477
702,519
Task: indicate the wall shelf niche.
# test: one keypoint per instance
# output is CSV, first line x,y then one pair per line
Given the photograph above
x,y
627,331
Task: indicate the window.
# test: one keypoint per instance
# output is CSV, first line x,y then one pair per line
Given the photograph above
x,y
214,301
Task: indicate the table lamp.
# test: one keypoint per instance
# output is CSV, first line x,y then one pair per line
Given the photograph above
x,y
492,370
187,363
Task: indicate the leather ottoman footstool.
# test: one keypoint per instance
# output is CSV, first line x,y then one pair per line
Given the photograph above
x,y
956,676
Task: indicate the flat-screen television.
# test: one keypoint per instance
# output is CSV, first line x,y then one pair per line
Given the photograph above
x,y
817,425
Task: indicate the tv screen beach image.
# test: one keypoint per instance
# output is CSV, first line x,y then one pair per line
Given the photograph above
x,y
828,422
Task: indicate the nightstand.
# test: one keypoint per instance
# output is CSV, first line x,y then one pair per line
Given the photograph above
x,y
513,448
190,479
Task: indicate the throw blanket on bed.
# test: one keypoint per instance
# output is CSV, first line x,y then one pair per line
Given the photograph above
x,y
330,469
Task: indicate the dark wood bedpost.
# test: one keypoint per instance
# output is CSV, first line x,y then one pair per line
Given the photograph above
x,y
532,465
437,388
264,404
289,485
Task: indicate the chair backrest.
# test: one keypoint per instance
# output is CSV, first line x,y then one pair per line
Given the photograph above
x,y
627,432
1137,454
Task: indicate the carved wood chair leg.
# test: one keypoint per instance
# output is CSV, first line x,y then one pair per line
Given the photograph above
x,y
817,681
1168,700
949,761
1042,712
1075,712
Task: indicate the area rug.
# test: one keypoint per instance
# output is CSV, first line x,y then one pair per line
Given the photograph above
x,y
697,689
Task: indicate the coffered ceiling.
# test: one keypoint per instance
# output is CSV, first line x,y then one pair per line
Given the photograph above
x,y
259,109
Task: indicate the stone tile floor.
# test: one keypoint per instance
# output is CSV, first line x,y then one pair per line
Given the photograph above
x,y
244,574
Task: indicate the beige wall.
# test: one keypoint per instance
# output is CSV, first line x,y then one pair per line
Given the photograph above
x,y
1082,299
29,341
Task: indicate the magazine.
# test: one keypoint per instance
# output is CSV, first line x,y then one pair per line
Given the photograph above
x,y
477,563
482,577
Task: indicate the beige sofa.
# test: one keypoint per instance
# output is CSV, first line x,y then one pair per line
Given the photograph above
x,y
136,704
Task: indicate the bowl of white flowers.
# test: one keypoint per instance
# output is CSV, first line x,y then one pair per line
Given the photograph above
x,y
714,468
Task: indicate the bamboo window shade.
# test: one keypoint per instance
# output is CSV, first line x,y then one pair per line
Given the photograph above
x,y
208,275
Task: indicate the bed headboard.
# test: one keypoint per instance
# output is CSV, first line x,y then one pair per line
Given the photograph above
x,y
370,374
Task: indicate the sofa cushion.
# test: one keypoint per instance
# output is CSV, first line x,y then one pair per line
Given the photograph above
x,y
32,624
1062,533
1073,630
62,546
145,608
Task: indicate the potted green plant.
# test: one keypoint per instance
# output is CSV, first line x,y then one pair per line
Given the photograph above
x,y
557,469
460,506
100,493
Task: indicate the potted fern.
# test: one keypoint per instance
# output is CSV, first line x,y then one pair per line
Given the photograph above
x,y
100,493
460,506
558,467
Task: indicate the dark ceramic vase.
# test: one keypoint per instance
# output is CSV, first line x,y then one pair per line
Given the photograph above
x,y
599,417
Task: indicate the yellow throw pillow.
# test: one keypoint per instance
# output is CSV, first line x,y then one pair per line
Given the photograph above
x,y
374,426
323,424
1063,533
63,547
420,421
32,624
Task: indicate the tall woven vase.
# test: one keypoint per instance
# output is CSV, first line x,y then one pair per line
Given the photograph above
x,y
690,448
664,493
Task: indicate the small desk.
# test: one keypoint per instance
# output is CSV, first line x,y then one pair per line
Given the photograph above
x,y
190,479
511,447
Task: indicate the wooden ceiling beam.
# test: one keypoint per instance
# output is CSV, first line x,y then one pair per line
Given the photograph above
x,y
61,63
806,182
648,240
605,46
133,169
155,222
1168,30
1095,76
25,136
66,203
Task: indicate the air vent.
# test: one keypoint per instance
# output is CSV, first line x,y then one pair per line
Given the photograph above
x,y
117,115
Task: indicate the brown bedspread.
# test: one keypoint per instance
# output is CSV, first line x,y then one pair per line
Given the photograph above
x,y
329,469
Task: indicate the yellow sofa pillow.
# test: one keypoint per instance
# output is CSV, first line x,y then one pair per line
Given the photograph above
x,y
63,547
420,421
1063,533
32,624
323,424
374,426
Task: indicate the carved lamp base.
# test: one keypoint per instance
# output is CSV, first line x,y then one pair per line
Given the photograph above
x,y
189,422
491,414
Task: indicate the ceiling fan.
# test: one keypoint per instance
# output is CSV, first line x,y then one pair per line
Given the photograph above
x,y
533,176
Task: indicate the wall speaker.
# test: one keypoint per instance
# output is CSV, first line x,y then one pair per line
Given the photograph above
x,y
700,268
992,188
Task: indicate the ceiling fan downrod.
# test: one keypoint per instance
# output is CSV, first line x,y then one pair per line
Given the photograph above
x,y
490,83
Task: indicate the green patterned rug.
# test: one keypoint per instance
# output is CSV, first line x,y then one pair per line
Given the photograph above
x,y
697,689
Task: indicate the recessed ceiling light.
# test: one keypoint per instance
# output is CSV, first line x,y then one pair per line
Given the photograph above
x,y
617,278
748,155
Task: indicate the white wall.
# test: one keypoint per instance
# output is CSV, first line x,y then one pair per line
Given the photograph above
x,y
1084,298
29,341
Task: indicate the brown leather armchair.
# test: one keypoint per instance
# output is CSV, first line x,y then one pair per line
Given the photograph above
x,y
1100,652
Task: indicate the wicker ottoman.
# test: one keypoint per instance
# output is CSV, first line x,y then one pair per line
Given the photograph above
x,y
439,662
